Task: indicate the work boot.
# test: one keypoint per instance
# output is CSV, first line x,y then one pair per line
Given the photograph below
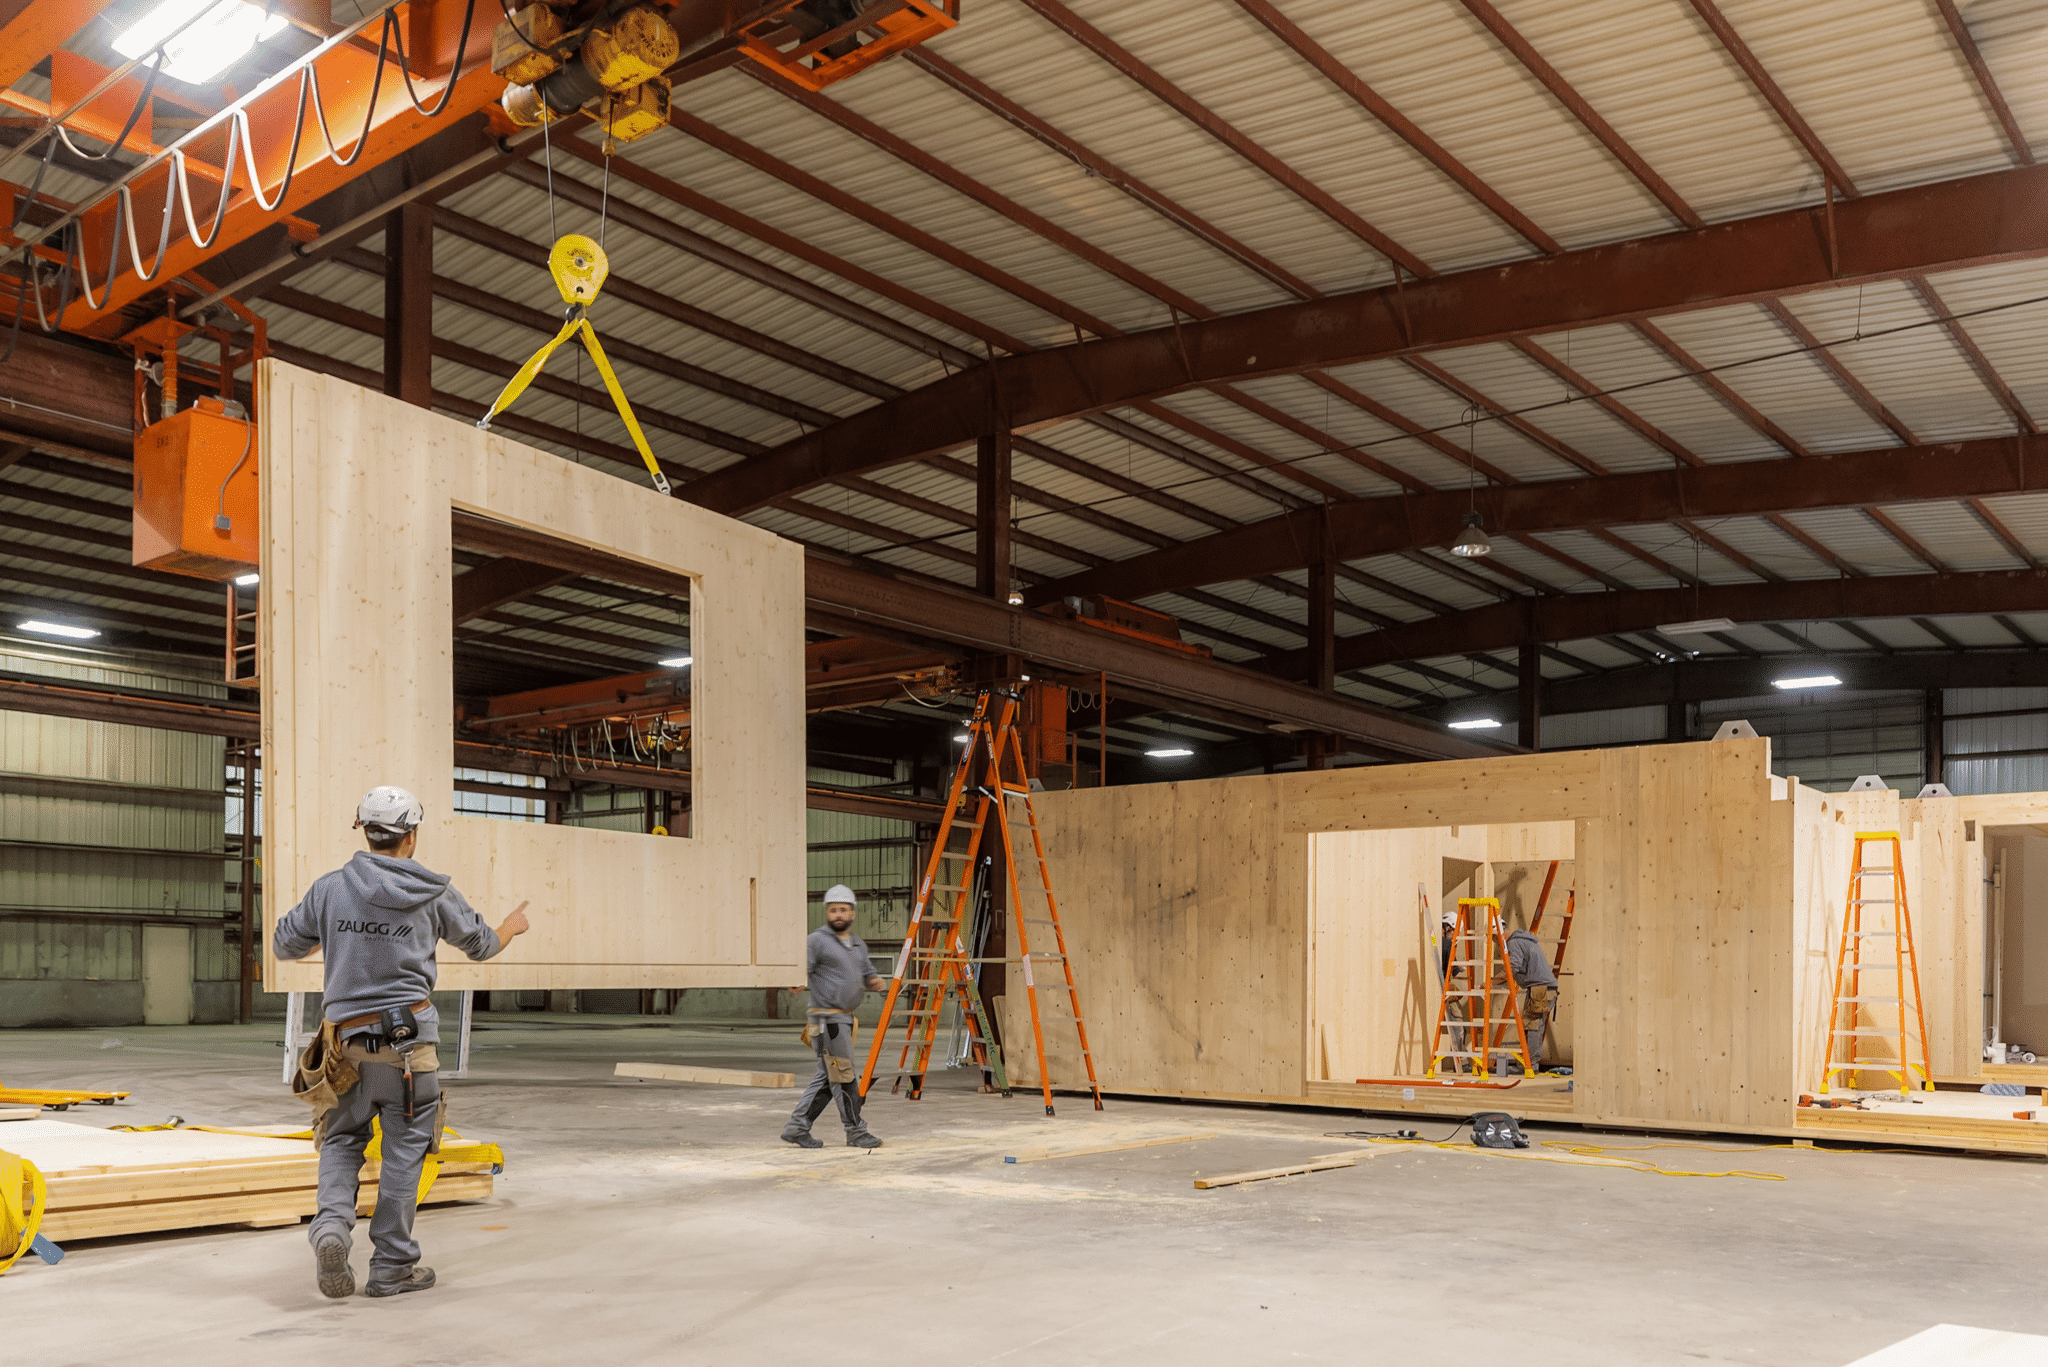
x,y
803,1139
863,1140
419,1279
330,1263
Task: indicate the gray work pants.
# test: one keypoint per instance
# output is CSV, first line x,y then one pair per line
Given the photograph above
x,y
379,1093
1538,1003
837,1081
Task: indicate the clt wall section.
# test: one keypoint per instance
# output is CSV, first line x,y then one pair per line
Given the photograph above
x,y
358,492
1266,938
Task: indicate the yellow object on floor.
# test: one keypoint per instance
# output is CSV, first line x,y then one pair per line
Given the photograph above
x,y
22,1199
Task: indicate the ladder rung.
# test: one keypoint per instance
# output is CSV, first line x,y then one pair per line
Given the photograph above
x,y
1893,1000
1874,902
1873,1034
1873,934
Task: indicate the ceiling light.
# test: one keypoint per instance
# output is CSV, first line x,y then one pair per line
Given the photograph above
x,y
210,35
1473,541
1016,599
1807,681
243,581
1168,754
1697,628
676,662
963,736
56,629
1476,724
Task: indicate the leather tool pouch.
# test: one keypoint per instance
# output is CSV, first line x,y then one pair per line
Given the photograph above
x,y
323,1077
1540,999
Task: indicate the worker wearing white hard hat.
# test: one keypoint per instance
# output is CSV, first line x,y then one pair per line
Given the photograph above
x,y
377,920
839,970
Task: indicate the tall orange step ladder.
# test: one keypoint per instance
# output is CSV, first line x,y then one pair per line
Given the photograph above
x,y
937,963
1851,1035
1558,943
1464,1015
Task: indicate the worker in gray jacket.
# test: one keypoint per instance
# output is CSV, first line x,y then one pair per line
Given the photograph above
x,y
837,964
377,920
1538,984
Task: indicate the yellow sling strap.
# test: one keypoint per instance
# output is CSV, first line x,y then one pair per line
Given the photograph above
x,y
579,268
22,1198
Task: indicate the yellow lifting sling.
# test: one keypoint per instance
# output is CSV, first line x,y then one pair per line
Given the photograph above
x,y
579,267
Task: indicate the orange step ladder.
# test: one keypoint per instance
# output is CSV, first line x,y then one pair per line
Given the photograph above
x,y
937,963
1852,1035
1464,1015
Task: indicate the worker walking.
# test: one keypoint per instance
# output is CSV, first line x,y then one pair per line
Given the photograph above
x,y
1538,983
378,919
836,961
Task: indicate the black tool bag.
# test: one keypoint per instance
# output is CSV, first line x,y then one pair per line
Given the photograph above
x,y
1498,1130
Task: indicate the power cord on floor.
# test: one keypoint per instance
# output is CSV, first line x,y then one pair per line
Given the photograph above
x,y
1576,1148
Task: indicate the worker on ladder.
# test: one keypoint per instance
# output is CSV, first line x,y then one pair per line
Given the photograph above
x,y
837,964
1538,981
377,920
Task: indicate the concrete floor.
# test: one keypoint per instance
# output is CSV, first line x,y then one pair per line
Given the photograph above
x,y
663,1223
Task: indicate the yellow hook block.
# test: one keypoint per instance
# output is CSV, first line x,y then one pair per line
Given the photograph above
x,y
579,268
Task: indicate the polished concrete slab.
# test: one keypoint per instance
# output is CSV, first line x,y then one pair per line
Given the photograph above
x,y
663,1223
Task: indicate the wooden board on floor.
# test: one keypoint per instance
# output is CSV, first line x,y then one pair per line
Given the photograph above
x,y
725,1077
108,1182
358,494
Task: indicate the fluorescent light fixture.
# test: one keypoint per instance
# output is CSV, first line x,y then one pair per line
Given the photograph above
x,y
56,629
1807,681
243,581
1697,628
1476,724
1168,754
676,662
224,31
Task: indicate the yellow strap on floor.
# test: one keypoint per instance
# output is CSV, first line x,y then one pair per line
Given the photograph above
x,y
22,1198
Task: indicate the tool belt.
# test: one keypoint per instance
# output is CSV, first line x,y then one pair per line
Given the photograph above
x,y
325,1074
1542,997
810,1030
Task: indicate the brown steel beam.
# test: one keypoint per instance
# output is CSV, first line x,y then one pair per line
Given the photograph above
x,y
1987,467
1977,220
1966,43
409,304
1579,616
1206,119
1525,53
992,515
1375,104
1801,131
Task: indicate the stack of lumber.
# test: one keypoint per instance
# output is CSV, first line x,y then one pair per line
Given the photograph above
x,y
109,1182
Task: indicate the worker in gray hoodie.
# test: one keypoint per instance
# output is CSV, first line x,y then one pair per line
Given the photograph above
x,y
1538,983
839,971
377,920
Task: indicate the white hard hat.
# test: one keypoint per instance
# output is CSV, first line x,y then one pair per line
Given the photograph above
x,y
389,811
839,892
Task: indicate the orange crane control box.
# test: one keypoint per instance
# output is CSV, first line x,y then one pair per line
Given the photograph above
x,y
195,493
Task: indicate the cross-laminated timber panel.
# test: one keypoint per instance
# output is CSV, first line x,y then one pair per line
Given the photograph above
x,y
358,492
1226,937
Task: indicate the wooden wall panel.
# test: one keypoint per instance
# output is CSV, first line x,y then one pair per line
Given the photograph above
x,y
1551,787
1185,908
358,491
1684,990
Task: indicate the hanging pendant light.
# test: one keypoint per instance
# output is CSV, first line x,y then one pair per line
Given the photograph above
x,y
1473,541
